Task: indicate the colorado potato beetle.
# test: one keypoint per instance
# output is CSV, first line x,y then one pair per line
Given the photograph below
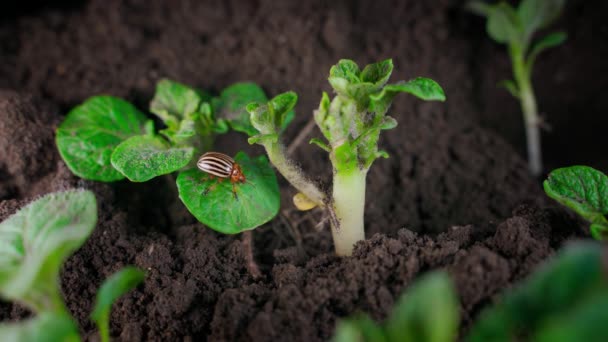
x,y
221,166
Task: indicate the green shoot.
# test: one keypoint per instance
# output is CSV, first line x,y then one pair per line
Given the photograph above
x,y
108,139
113,288
515,28
565,298
351,123
427,312
34,244
584,190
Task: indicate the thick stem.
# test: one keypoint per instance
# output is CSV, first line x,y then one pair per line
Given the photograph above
x,y
530,111
295,176
349,207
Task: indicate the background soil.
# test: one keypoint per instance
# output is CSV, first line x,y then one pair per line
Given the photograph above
x,y
446,174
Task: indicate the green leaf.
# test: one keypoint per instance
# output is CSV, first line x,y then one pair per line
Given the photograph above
x,y
46,327
377,73
90,132
423,88
388,122
320,143
359,329
37,240
503,25
584,322
428,312
232,102
549,41
575,275
479,7
537,14
173,101
346,69
273,117
584,190
263,139
113,288
510,86
213,202
143,157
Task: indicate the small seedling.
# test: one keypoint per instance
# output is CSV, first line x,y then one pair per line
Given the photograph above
x,y
427,312
516,28
108,139
584,190
351,122
34,244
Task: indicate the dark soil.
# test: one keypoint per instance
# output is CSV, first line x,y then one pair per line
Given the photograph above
x,y
445,174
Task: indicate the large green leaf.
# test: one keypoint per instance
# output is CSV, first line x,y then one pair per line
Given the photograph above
x,y
423,88
46,327
575,276
113,288
232,102
504,25
213,202
37,240
143,157
90,132
538,14
428,312
584,190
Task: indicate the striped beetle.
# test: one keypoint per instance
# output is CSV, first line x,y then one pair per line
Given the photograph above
x,y
221,166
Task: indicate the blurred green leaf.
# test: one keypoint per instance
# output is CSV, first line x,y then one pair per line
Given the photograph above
x,y
90,132
423,88
549,41
359,329
504,25
143,157
232,102
213,202
36,241
46,327
173,99
538,14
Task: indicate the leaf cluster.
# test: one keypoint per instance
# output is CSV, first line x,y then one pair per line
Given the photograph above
x,y
107,139
34,244
516,27
584,190
565,300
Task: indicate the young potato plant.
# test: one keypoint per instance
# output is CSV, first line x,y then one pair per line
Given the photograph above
x,y
351,123
427,312
34,244
565,300
584,190
107,139
516,28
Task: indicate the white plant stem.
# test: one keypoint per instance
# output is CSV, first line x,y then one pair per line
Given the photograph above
x,y
349,206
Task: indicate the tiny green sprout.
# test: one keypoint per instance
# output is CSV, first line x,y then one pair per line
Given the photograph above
x,y
565,300
34,244
108,139
427,312
351,123
516,28
584,190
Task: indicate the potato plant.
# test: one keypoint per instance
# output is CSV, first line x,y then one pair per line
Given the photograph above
x,y
515,27
107,139
351,123
34,244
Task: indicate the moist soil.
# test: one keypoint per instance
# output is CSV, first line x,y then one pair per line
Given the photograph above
x,y
455,193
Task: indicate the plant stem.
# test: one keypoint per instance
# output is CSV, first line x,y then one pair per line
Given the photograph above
x,y
294,175
528,106
252,266
104,328
349,207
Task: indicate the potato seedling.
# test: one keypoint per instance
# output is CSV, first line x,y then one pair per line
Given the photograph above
x,y
351,122
427,312
565,300
584,190
516,28
34,244
108,139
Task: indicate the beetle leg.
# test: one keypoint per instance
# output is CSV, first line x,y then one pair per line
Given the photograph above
x,y
236,197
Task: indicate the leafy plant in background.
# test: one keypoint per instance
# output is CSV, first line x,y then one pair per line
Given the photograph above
x,y
516,28
351,122
34,244
107,139
427,312
584,190
565,300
